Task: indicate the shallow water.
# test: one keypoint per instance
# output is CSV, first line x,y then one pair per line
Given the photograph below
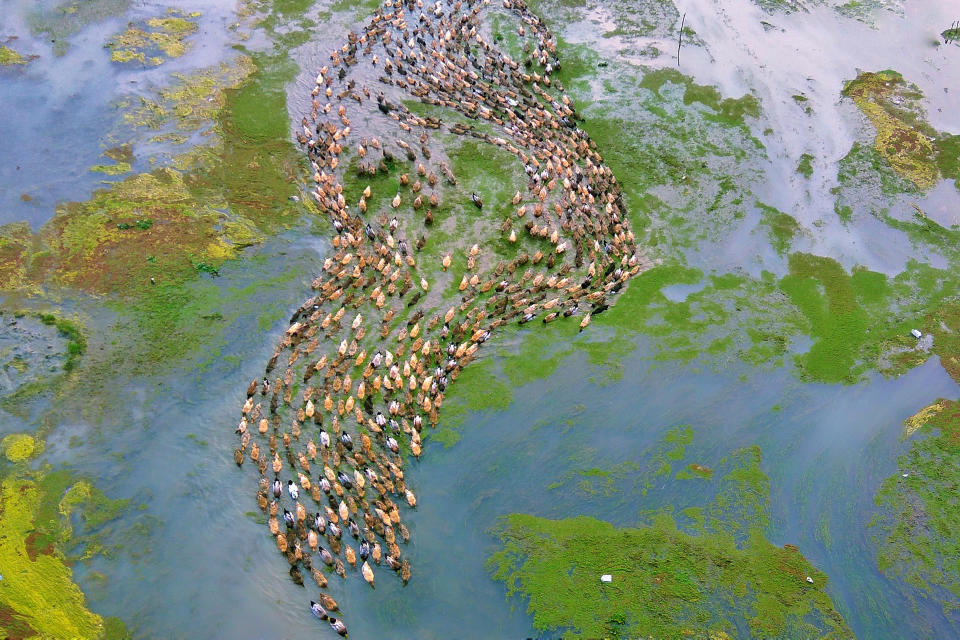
x,y
60,111
197,565
206,562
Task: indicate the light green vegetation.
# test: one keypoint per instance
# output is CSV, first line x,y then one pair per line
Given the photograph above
x,y
18,447
38,596
58,21
482,391
829,299
145,41
10,57
916,529
700,136
112,169
596,481
632,19
904,139
714,577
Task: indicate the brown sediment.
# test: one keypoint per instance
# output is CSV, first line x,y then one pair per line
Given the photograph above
x,y
402,305
14,627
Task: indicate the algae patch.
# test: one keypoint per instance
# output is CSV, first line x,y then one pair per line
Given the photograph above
x,y
10,57
38,595
904,139
18,447
153,41
720,577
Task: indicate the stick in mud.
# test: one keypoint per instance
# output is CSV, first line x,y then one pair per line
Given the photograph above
x,y
680,37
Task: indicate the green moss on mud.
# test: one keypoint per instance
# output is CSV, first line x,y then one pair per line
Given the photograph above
x,y
723,578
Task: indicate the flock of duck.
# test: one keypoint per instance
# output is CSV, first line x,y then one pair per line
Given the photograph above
x,y
366,362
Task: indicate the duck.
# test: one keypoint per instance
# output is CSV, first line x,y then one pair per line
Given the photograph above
x,y
328,602
367,573
319,524
338,626
371,273
317,610
326,556
293,490
296,576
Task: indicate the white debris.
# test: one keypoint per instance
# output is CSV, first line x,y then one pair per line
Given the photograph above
x,y
809,579
606,578
916,333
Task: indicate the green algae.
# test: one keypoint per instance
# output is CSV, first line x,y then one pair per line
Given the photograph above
x,y
730,111
191,102
477,389
596,481
823,292
681,135
805,165
919,513
37,588
139,242
95,508
781,227
18,447
723,578
76,342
